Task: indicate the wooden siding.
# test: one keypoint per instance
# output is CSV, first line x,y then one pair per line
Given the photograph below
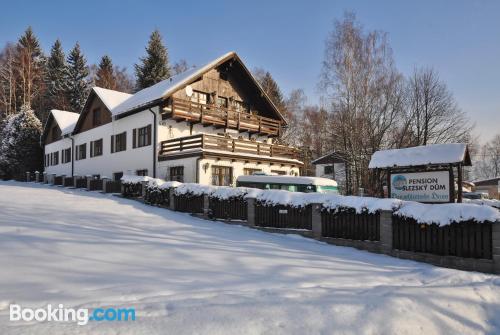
x,y
86,122
50,128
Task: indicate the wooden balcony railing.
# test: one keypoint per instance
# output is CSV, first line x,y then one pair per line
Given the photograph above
x,y
209,114
220,143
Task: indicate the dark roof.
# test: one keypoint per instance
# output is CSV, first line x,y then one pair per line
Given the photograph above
x,y
487,182
330,158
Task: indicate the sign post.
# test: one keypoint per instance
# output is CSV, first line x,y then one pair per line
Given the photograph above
x,y
430,186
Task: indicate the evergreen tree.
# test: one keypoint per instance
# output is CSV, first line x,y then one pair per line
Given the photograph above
x,y
20,149
29,66
56,75
77,85
271,88
105,75
155,66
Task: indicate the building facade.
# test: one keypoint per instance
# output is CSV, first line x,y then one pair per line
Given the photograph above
x,y
207,125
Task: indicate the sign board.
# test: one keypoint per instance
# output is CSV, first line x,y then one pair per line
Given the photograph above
x,y
433,186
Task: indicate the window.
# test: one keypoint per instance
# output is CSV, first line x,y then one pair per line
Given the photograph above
x,y
177,173
56,133
96,117
81,151
141,137
329,169
66,155
96,148
119,142
222,102
279,172
222,175
117,176
199,97
249,172
56,157
142,172
240,106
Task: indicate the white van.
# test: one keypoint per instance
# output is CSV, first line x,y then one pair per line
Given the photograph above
x,y
289,183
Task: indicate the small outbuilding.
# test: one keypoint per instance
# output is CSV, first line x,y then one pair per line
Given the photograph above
x,y
333,165
424,173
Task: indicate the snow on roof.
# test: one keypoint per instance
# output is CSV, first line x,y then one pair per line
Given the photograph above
x,y
421,155
65,120
288,180
111,98
165,87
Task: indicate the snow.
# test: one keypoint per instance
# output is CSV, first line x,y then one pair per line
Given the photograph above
x,y
184,275
65,120
444,214
165,87
487,202
421,155
133,179
288,179
111,98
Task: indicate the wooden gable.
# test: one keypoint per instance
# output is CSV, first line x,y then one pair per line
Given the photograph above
x,y
231,80
52,131
94,114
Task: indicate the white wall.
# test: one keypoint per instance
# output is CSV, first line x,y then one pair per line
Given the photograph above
x,y
59,169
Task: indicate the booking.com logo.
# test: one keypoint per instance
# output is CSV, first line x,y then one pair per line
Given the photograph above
x,y
61,314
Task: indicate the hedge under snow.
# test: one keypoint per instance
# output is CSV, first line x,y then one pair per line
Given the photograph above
x,y
441,214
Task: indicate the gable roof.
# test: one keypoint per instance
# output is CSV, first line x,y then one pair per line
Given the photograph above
x,y
65,120
329,158
111,98
154,94
450,153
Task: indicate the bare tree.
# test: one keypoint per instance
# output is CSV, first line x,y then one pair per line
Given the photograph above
x,y
432,115
180,67
363,90
487,163
7,81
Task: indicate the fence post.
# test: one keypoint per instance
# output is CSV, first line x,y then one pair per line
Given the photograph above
x,y
45,181
28,175
206,206
89,178
37,176
122,188
143,188
104,182
251,212
171,200
386,231
316,220
75,178
53,179
495,244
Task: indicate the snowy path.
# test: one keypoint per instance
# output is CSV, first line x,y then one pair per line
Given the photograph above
x,y
186,276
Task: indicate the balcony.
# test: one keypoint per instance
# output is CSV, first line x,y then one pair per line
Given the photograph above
x,y
230,145
212,115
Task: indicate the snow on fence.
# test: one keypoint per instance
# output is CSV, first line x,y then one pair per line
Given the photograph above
x,y
395,227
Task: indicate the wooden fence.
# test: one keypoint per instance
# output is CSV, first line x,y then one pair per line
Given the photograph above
x,y
132,190
68,181
229,209
467,239
81,183
113,186
188,203
95,185
348,224
285,217
157,196
58,180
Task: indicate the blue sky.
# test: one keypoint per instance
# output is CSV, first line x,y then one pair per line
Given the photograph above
x,y
460,39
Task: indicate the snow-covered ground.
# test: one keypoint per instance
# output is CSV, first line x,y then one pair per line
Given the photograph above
x,y
189,276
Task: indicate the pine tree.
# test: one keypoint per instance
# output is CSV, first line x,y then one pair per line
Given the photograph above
x,y
77,85
155,66
105,75
30,64
20,149
271,88
56,75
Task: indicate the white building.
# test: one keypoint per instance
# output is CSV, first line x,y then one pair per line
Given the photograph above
x,y
207,125
333,165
